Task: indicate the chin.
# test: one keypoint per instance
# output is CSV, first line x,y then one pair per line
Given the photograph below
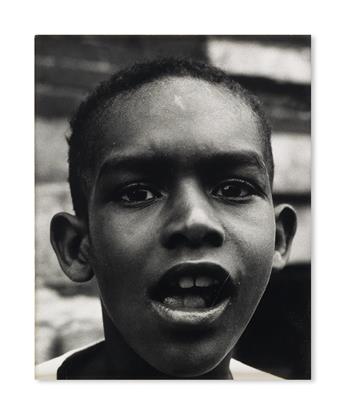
x,y
179,363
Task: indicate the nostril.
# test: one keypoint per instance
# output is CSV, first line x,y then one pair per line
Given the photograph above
x,y
214,238
194,239
175,240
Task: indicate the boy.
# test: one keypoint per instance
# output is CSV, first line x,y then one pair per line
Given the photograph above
x,y
171,172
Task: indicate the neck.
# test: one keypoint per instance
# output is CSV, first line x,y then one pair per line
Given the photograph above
x,y
124,363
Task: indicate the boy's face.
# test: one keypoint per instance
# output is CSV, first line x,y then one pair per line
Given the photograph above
x,y
181,222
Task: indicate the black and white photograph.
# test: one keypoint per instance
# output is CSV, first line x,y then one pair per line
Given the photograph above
x,y
173,207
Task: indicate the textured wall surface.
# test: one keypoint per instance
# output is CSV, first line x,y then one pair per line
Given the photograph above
x,y
276,68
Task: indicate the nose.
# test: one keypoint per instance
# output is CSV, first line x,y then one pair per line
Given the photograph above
x,y
192,220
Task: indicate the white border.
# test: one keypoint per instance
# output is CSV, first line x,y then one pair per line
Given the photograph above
x,y
20,21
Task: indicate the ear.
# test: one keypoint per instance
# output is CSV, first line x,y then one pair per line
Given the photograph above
x,y
70,241
286,223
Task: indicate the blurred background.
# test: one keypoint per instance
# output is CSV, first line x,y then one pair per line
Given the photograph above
x,y
278,70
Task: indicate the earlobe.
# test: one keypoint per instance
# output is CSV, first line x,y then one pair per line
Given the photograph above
x,y
286,223
70,241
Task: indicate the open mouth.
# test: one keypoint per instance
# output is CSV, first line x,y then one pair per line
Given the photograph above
x,y
193,287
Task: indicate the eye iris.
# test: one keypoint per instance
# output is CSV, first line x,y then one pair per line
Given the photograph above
x,y
137,195
232,190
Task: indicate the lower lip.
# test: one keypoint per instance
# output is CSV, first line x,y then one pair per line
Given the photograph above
x,y
190,317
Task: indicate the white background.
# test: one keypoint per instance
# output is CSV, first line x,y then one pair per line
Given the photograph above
x,y
20,21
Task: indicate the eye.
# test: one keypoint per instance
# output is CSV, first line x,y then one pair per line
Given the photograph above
x,y
234,189
137,193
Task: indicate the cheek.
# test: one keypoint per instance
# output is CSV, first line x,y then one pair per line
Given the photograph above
x,y
255,230
251,233
125,233
260,240
115,236
120,243
255,249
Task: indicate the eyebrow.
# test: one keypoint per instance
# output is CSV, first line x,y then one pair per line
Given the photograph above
x,y
133,162
148,161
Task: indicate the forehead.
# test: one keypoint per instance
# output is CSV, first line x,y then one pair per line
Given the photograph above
x,y
178,117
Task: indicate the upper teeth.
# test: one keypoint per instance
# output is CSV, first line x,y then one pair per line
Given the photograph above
x,y
204,281
186,282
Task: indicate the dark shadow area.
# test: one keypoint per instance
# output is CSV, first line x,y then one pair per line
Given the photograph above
x,y
278,338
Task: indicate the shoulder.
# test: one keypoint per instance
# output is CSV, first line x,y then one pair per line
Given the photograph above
x,y
49,370
243,372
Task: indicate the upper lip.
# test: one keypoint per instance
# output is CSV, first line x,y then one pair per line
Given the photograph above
x,y
194,269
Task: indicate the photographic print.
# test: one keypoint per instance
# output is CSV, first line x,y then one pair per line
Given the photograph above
x,y
173,219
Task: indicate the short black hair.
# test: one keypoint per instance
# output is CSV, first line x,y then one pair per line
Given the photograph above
x,y
83,149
